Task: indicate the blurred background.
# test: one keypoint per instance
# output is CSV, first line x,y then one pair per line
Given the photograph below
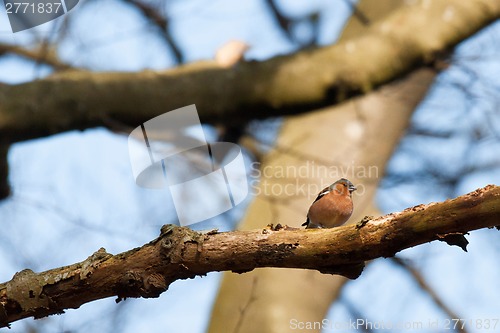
x,y
74,192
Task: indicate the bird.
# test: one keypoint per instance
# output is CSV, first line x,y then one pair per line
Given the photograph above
x,y
332,207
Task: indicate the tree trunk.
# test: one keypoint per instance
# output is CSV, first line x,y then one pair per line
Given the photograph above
x,y
353,140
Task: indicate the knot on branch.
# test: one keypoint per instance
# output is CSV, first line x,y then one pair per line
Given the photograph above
x,y
364,221
137,283
173,240
155,284
25,287
25,294
93,262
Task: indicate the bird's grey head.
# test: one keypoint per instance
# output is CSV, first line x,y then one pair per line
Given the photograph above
x,y
350,187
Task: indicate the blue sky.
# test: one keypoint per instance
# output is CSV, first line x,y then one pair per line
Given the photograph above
x,y
76,191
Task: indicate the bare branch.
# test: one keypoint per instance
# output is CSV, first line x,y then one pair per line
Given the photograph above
x,y
356,315
429,290
282,85
358,13
243,310
152,14
42,56
283,22
4,171
181,253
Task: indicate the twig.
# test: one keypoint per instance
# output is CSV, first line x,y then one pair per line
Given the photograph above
x,y
429,290
244,309
40,56
162,23
360,15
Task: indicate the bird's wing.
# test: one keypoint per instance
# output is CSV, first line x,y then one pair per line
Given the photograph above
x,y
325,191
321,194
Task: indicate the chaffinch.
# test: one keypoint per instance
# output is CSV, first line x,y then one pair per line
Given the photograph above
x,y
332,207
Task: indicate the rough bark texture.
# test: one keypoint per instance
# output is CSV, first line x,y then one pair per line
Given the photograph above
x,y
413,36
180,253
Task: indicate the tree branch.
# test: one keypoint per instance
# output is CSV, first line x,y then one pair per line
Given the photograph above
x,y
162,22
283,22
411,37
38,55
181,253
417,276
357,13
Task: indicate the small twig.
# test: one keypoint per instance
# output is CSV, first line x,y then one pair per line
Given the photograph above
x,y
244,309
283,22
360,15
43,55
162,23
356,314
417,276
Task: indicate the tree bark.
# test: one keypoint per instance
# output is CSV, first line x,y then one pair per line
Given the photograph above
x,y
181,253
413,36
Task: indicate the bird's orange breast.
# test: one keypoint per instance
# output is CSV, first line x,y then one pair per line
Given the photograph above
x,y
332,210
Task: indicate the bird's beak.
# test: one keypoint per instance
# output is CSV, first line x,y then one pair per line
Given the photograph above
x,y
352,188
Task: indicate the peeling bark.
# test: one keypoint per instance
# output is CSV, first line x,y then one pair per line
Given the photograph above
x,y
181,253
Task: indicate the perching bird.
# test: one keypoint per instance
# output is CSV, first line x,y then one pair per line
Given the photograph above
x,y
332,207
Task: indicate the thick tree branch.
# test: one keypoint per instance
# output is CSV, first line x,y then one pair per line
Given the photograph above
x,y
411,37
181,253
